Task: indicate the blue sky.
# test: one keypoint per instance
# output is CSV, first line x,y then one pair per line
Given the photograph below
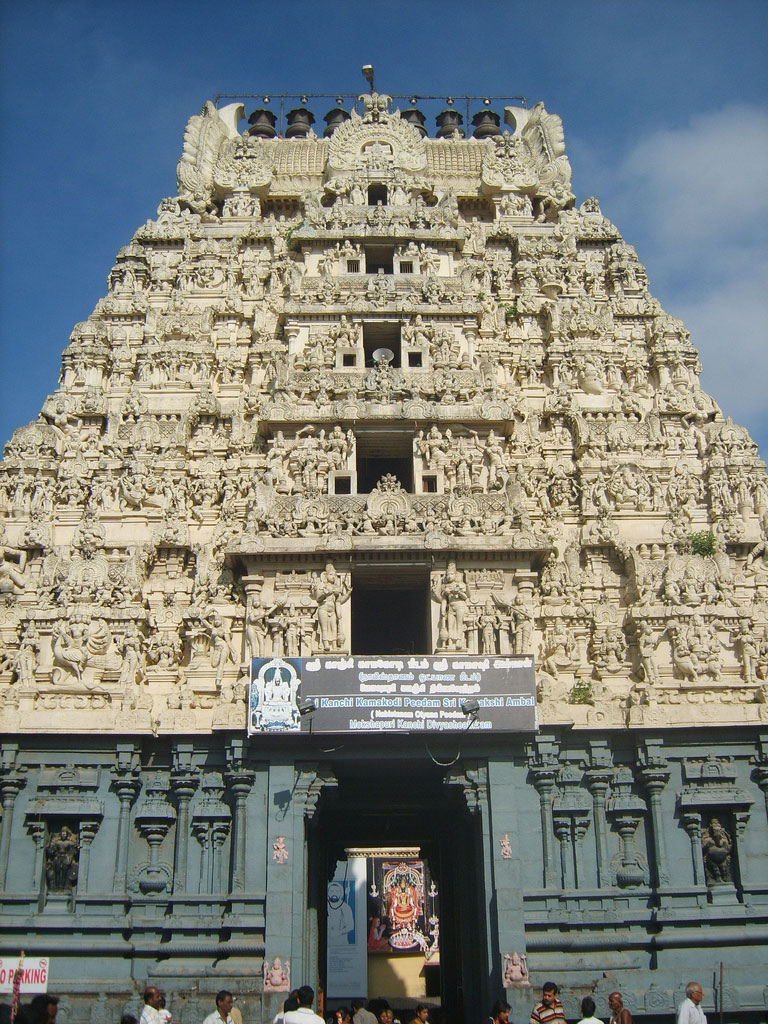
x,y
663,104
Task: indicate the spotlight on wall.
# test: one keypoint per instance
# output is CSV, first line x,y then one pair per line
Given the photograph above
x,y
471,708
307,705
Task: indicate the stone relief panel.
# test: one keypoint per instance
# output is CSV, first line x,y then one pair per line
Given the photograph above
x,y
213,410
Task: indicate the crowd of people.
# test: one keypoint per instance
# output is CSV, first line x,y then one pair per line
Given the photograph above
x,y
298,1009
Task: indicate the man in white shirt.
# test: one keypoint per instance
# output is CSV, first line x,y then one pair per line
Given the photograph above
x,y
150,1013
588,1011
690,1012
305,1014
220,1015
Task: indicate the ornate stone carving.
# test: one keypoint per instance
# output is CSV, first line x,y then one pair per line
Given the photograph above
x,y
377,140
61,860
203,138
215,413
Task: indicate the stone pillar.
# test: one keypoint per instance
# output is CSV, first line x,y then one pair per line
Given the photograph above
x,y
239,780
240,786
543,772
692,824
580,829
202,833
760,761
210,826
562,827
281,820
474,782
183,785
125,782
219,833
88,829
37,831
470,333
507,863
655,775
154,818
598,782
10,787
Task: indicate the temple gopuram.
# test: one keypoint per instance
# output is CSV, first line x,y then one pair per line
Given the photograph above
x,y
383,604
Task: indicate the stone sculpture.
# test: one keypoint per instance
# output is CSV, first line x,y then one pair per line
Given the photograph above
x,y
61,860
219,405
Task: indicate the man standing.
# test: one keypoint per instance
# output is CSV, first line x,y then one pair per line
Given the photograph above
x,y
588,1011
619,1013
550,1009
305,1013
221,1015
690,1012
359,1013
150,1013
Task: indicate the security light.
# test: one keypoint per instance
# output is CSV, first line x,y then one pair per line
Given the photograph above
x,y
471,708
307,705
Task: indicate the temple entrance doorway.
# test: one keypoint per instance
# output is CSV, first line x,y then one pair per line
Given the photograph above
x,y
390,610
404,838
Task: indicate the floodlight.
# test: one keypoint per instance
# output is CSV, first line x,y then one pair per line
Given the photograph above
x,y
471,708
307,705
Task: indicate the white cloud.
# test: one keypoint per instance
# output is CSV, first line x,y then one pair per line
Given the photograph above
x,y
703,181
694,202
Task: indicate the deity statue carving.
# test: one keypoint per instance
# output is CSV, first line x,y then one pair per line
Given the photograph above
x,y
61,860
489,623
222,652
277,975
716,849
132,669
25,661
515,970
330,590
13,562
452,593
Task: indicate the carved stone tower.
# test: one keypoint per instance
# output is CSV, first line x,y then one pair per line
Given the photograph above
x,y
381,394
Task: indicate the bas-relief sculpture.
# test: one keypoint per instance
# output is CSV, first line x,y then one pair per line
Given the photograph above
x,y
212,403
191,497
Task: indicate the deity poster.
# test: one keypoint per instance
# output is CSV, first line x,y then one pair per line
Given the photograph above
x,y
403,912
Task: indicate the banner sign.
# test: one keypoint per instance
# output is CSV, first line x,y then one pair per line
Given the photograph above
x,y
432,694
347,962
34,974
